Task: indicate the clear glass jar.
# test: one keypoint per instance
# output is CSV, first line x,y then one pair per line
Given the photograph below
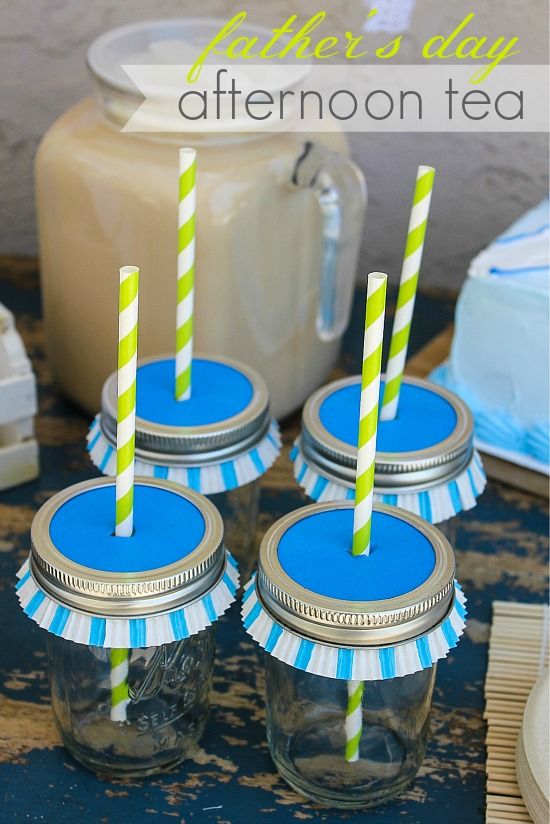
x,y
306,734
169,689
239,510
449,529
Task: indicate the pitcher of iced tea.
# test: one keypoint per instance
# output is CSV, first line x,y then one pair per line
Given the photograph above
x,y
279,219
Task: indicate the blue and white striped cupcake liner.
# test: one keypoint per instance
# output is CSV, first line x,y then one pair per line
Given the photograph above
x,y
209,480
436,504
123,633
358,663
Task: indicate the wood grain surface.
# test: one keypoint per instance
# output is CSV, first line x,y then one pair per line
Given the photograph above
x,y
501,554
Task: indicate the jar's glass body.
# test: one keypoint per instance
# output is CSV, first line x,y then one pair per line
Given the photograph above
x,y
449,529
105,197
239,510
306,734
169,690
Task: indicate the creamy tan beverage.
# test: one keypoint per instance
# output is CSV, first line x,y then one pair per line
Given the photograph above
x,y
265,242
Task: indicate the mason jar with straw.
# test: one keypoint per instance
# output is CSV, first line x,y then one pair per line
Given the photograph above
x,y
128,577
354,603
202,421
425,461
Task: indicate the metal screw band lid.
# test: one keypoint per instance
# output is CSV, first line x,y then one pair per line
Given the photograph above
x,y
127,594
355,623
394,471
194,445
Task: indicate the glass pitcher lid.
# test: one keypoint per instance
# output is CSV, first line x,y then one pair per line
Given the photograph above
x,y
176,41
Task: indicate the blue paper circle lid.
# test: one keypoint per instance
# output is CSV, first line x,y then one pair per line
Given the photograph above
x,y
309,581
430,440
174,557
227,413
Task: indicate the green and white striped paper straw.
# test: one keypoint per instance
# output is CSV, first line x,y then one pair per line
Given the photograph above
x,y
407,291
186,272
368,415
126,405
354,719
125,448
120,697
364,482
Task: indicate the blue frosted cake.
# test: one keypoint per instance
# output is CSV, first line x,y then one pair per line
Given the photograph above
x,y
499,356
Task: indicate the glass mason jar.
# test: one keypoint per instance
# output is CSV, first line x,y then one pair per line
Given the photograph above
x,y
169,696
425,458
279,223
352,644
449,528
305,721
130,621
239,509
218,442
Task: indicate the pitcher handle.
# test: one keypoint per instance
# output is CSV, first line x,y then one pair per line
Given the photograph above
x,y
341,191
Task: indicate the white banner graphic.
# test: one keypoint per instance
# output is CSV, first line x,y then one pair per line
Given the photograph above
x,y
353,98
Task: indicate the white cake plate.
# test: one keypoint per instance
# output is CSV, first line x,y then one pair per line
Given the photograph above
x,y
505,469
513,457
532,756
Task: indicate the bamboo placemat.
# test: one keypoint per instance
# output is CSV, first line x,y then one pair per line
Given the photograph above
x,y
518,652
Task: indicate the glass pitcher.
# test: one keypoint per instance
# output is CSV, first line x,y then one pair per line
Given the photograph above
x,y
279,219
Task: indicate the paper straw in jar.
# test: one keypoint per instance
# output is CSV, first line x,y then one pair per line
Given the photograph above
x,y
368,414
354,719
407,291
120,697
125,435
126,400
364,482
186,272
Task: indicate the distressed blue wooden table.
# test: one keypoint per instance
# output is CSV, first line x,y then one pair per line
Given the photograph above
x,y
502,553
